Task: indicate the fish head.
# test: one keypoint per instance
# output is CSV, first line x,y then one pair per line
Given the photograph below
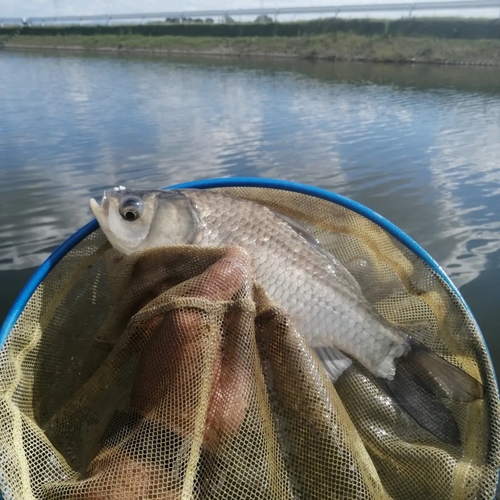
x,y
136,220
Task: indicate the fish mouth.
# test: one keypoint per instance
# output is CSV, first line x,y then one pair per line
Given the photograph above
x,y
100,210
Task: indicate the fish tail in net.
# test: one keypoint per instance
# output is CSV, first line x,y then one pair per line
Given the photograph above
x,y
421,383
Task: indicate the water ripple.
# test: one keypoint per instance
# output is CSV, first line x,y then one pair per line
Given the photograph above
x,y
418,145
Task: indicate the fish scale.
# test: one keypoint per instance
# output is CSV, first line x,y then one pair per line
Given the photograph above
x,y
328,311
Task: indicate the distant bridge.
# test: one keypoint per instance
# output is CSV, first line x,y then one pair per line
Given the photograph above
x,y
407,7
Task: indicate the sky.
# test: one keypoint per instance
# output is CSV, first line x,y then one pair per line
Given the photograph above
x,y
40,8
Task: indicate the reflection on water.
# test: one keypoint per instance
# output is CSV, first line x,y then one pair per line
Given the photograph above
x,y
418,144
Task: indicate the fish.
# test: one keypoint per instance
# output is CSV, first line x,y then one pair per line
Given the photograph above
x,y
322,298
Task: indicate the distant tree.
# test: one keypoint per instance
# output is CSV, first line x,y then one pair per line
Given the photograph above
x,y
263,19
209,20
197,20
172,20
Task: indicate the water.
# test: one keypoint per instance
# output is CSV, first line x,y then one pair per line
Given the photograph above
x,y
420,145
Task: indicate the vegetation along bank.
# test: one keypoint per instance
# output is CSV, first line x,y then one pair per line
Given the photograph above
x,y
438,41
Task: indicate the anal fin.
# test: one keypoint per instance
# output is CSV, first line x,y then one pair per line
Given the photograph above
x,y
334,362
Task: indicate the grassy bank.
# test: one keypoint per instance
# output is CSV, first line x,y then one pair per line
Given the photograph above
x,y
328,46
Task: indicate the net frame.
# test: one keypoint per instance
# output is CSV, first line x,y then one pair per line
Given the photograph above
x,y
40,274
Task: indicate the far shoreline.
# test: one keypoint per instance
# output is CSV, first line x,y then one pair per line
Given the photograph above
x,y
346,47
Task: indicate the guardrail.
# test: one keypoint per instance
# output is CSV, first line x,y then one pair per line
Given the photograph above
x,y
219,13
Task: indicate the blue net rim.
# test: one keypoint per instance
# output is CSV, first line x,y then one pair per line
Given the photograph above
x,y
38,276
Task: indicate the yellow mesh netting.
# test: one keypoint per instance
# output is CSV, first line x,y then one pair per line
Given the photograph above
x,y
169,374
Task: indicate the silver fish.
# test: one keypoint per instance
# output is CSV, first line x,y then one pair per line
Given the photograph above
x,y
322,298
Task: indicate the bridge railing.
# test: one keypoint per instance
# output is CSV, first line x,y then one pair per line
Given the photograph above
x,y
404,7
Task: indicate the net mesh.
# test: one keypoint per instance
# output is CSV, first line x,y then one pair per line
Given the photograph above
x,y
169,374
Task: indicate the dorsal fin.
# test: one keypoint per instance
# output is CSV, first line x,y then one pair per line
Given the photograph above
x,y
304,232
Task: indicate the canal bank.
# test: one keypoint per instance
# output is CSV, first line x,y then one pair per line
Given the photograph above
x,y
467,42
343,47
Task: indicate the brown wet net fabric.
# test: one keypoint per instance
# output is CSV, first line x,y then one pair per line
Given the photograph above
x,y
170,375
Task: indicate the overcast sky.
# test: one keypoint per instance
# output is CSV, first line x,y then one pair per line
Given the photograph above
x,y
27,8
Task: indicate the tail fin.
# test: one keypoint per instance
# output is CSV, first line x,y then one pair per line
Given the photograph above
x,y
422,379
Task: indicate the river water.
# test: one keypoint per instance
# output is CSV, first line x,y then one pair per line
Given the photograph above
x,y
418,144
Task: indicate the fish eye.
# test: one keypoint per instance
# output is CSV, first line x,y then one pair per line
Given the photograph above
x,y
130,208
